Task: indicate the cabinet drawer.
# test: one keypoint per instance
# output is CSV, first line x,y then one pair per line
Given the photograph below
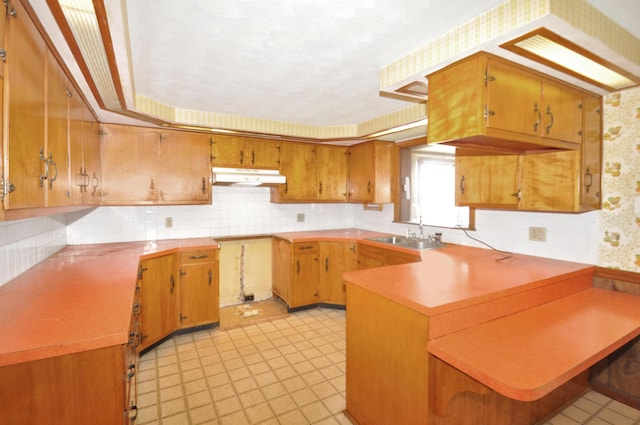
x,y
306,248
198,256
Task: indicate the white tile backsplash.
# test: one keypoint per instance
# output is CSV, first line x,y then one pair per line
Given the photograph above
x,y
247,211
25,243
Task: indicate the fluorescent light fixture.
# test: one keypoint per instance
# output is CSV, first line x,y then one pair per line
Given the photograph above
x,y
399,128
559,53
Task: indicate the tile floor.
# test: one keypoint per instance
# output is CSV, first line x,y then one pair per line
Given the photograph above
x,y
288,370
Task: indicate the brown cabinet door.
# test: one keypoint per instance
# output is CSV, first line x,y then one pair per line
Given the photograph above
x,y
562,113
281,268
57,125
78,179
332,173
158,299
262,153
129,158
306,274
199,295
91,159
26,112
591,176
227,151
298,163
361,172
487,180
335,259
550,181
183,171
513,100
370,257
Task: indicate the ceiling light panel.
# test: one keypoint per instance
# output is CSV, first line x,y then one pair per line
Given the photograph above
x,y
84,25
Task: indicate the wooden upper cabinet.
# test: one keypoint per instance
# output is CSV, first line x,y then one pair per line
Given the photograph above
x,y
332,173
24,170
487,180
485,102
183,167
56,150
129,158
562,181
370,172
298,164
244,152
148,166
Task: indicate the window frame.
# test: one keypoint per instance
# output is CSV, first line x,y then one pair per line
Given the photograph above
x,y
400,203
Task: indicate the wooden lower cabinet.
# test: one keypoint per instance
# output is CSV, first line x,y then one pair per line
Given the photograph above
x,y
177,291
158,295
199,288
80,388
372,256
411,387
335,259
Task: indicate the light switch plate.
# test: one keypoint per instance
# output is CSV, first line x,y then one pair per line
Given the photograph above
x,y
538,234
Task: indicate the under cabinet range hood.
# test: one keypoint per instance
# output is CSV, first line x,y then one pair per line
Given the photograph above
x,y
246,177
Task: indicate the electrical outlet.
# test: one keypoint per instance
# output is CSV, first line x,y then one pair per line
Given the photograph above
x,y
168,222
248,297
301,218
538,234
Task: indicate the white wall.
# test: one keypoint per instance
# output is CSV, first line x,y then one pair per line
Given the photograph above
x,y
247,211
570,237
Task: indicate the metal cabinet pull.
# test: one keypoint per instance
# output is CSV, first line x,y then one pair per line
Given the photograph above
x,y
198,257
462,184
320,188
44,159
326,264
210,278
305,247
588,180
253,158
204,185
241,157
298,266
173,284
537,123
369,186
55,167
551,117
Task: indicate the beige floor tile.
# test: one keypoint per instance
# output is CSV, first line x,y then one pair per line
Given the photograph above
x,y
285,371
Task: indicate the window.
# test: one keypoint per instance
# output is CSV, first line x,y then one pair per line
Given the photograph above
x,y
427,181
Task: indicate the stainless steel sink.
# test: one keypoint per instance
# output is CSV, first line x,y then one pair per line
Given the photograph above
x,y
412,243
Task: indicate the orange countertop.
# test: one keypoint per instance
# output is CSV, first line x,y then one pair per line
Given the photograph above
x,y
78,299
455,277
526,355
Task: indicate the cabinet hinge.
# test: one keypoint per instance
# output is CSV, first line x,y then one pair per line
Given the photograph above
x,y
6,187
140,271
182,273
3,55
68,92
580,106
487,112
488,77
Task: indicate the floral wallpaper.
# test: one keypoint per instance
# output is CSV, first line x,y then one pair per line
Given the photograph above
x,y
620,217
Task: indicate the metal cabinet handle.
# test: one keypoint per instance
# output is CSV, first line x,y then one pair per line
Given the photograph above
x,y
241,157
44,159
320,188
537,123
326,264
462,184
55,167
588,180
369,186
253,158
198,257
204,185
173,284
551,117
210,278
298,266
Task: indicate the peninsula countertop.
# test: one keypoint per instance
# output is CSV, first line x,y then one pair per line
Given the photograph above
x,y
78,299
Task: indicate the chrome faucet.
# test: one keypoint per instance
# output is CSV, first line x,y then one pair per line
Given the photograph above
x,y
420,226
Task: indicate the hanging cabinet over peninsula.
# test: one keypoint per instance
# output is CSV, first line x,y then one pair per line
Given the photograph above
x,y
486,102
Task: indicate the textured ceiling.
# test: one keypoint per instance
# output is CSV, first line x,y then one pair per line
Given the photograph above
x,y
308,62
303,61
